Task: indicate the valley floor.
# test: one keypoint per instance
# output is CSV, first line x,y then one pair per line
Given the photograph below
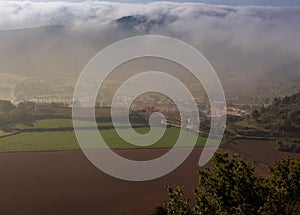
x,y
65,182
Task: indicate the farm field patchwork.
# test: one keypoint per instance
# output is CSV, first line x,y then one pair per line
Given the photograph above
x,y
66,140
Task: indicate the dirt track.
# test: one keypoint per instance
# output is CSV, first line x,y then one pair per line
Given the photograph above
x,y
65,183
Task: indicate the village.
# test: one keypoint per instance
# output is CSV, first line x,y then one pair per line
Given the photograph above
x,y
143,107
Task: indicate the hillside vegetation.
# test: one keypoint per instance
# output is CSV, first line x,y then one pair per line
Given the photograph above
x,y
283,116
280,121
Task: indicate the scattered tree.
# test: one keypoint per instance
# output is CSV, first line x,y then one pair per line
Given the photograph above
x,y
255,114
6,106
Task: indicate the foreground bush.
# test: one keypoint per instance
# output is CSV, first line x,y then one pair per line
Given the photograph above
x,y
230,187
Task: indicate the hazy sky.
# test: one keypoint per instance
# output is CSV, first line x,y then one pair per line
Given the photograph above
x,y
285,3
25,14
235,2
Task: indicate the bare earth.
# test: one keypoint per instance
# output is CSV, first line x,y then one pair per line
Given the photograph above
x,y
66,183
260,151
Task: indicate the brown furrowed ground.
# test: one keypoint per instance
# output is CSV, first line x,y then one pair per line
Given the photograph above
x,y
65,182
260,151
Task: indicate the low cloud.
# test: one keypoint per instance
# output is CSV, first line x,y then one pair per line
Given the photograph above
x,y
242,43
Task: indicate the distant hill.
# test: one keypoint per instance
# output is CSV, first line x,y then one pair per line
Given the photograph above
x,y
280,121
47,60
143,23
283,115
280,81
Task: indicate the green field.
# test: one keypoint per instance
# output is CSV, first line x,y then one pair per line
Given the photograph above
x,y
60,123
2,133
36,141
47,123
54,123
66,140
